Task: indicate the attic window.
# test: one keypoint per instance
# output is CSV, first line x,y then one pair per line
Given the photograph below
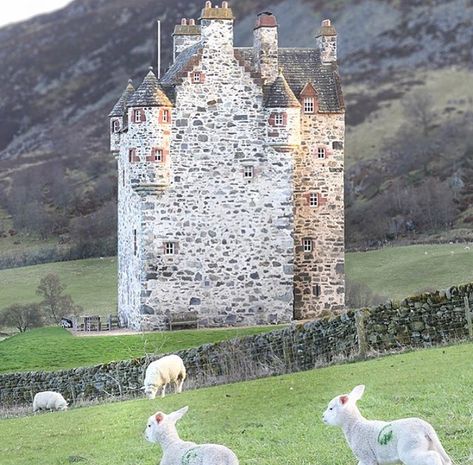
x,y
321,153
278,119
115,125
307,245
137,116
309,105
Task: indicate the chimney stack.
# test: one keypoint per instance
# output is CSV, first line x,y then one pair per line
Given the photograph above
x,y
327,42
185,34
217,27
265,46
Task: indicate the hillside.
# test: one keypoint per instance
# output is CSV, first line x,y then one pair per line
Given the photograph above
x,y
272,421
66,69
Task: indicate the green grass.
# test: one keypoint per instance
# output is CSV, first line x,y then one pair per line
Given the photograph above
x,y
91,283
272,421
55,348
397,272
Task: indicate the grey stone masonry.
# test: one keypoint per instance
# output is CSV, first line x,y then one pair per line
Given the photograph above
x,y
214,160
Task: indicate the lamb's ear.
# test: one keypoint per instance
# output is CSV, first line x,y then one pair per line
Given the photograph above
x,y
159,417
357,392
178,414
343,399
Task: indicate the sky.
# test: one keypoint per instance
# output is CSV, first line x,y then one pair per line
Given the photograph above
x,y
13,11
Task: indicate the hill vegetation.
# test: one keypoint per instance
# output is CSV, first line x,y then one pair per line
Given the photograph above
x,y
272,421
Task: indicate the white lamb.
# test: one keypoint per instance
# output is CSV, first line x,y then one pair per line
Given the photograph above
x,y
161,428
49,400
168,369
410,441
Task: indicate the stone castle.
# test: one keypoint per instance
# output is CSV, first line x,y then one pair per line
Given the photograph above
x,y
230,172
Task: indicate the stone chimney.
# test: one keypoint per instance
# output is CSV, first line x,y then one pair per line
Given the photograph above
x,y
185,34
265,46
216,24
327,42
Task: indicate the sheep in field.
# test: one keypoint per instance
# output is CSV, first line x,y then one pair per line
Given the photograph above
x,y
168,369
410,441
49,400
161,428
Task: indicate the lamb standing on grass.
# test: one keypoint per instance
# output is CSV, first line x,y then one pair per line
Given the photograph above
x,y
168,369
161,428
49,400
410,441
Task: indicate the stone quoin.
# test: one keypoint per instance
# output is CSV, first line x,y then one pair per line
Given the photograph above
x,y
230,172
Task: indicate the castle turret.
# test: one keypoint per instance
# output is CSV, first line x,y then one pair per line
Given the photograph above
x,y
116,116
185,34
327,42
265,46
149,123
216,26
284,114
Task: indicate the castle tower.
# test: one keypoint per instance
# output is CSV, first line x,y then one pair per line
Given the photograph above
x,y
230,197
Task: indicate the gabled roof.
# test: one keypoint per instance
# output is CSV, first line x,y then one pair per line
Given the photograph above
x,y
279,94
184,61
120,106
149,94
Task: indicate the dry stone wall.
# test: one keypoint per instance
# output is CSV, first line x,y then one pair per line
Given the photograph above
x,y
422,321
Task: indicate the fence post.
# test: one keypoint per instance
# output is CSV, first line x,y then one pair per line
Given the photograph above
x,y
361,333
468,315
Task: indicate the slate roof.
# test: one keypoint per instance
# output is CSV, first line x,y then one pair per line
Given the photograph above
x,y
120,106
149,94
279,94
183,61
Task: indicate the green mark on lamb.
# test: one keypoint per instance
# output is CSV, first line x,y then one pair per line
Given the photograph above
x,y
386,435
189,457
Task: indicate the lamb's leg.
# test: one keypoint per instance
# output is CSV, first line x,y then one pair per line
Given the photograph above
x,y
179,386
163,390
421,457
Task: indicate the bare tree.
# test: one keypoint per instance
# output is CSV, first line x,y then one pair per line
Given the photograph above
x,y
56,304
22,317
418,110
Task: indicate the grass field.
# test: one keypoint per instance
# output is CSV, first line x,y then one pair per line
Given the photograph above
x,y
55,348
394,272
272,421
397,272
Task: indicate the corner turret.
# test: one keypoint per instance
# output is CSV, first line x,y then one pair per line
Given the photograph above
x,y
117,121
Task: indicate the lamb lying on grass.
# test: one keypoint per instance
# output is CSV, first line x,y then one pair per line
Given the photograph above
x,y
168,369
49,400
410,441
161,428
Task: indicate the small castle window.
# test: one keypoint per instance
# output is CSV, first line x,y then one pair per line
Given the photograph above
x,y
309,105
123,177
135,243
278,119
248,172
321,152
314,199
132,155
137,116
115,125
196,77
169,248
307,245
317,290
165,116
158,155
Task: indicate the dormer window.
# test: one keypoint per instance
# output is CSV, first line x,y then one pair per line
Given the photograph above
x,y
137,116
115,126
321,152
309,104
278,119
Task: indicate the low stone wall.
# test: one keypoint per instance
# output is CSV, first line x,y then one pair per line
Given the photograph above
x,y
425,320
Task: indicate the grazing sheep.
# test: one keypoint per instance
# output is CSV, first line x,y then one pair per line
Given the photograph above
x,y
168,369
410,441
49,400
161,428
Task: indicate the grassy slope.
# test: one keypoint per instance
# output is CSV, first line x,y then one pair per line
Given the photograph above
x,y
91,282
397,272
394,272
55,348
272,421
